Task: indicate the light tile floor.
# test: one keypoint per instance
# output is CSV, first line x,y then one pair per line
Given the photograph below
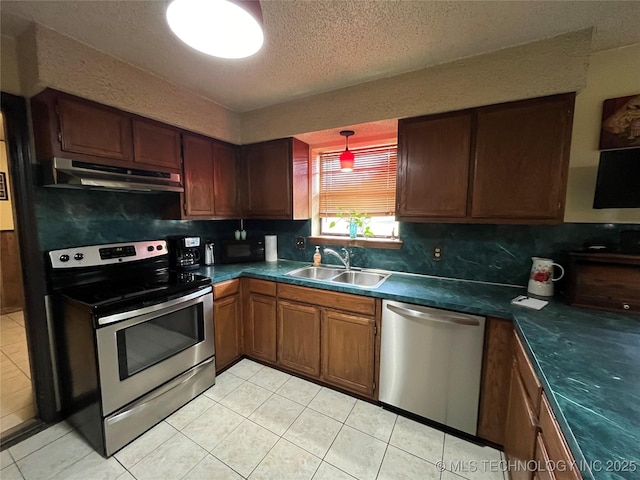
x,y
16,392
258,423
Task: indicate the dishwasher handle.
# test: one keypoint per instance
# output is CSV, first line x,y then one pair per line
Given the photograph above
x,y
441,317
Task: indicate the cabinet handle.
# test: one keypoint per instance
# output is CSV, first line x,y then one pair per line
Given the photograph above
x,y
440,317
626,306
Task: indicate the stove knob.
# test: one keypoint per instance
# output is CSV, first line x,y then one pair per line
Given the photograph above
x,y
159,247
150,248
64,258
78,256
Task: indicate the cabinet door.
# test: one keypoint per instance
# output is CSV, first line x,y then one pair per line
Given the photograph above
x,y
555,445
521,159
433,166
268,177
544,470
227,330
299,337
348,351
496,373
156,144
521,428
93,130
198,177
225,181
260,335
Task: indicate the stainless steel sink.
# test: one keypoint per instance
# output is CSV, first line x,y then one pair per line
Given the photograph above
x,y
316,273
361,279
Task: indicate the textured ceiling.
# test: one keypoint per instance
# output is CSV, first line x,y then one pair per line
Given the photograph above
x,y
318,46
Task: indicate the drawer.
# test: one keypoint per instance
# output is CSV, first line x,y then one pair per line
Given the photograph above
x,y
224,289
528,375
556,446
340,301
264,287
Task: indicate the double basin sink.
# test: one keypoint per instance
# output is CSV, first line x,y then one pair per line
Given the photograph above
x,y
353,278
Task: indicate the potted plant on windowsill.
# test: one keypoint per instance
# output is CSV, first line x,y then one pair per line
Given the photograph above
x,y
357,222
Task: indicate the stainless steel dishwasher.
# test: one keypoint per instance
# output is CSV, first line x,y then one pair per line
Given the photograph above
x,y
430,363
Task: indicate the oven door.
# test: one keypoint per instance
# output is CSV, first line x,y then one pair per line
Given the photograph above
x,y
143,349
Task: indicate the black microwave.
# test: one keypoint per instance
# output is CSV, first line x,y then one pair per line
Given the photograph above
x,y
239,251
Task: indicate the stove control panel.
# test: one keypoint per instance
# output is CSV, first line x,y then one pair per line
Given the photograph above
x,y
121,251
95,255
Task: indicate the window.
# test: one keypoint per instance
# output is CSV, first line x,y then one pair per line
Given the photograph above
x,y
370,188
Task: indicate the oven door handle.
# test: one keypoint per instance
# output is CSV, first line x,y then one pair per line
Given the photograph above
x,y
153,308
158,393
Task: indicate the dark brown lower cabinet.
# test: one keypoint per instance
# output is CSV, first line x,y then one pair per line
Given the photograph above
x,y
521,429
348,351
260,334
496,375
227,330
553,445
299,337
544,472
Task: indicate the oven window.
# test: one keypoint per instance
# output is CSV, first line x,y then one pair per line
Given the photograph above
x,y
145,344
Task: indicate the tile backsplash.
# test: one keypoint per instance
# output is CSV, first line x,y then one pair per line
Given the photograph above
x,y
494,253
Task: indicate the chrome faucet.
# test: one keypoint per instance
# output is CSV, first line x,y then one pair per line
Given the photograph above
x,y
345,260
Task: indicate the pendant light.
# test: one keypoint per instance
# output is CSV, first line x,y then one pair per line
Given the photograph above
x,y
346,157
221,28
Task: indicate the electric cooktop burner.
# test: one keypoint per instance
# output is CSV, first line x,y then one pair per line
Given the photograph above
x,y
118,276
144,288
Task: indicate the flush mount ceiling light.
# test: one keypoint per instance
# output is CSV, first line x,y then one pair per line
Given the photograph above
x,y
221,28
346,157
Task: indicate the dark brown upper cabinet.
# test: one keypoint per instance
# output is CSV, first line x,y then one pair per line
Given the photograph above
x,y
276,179
522,159
226,188
156,144
198,177
71,127
433,166
504,163
210,179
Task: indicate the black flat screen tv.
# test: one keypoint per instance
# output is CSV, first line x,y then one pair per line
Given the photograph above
x,y
618,184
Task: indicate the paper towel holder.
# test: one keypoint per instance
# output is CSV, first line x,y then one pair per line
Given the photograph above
x,y
271,248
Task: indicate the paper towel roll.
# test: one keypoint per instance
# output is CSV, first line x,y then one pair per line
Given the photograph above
x,y
271,248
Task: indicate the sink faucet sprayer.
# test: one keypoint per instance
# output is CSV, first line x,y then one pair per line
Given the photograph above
x,y
345,260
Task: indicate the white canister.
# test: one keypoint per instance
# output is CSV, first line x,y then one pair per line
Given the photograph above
x,y
271,248
541,277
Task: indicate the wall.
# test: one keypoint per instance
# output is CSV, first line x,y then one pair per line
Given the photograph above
x,y
69,218
613,73
48,59
493,253
546,67
9,78
6,206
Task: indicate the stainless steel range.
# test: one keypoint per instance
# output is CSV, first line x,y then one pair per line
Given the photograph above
x,y
134,341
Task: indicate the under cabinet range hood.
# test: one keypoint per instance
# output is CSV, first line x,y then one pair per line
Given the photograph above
x,y
66,173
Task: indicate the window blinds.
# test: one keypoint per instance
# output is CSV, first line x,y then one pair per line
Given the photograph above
x,y
370,188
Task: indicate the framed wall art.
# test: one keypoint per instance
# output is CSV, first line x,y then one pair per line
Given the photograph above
x,y
620,123
4,192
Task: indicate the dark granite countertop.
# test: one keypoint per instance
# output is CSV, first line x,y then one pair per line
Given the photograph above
x,y
588,361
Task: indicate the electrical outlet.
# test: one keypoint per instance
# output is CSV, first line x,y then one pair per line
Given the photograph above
x,y
437,253
300,243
